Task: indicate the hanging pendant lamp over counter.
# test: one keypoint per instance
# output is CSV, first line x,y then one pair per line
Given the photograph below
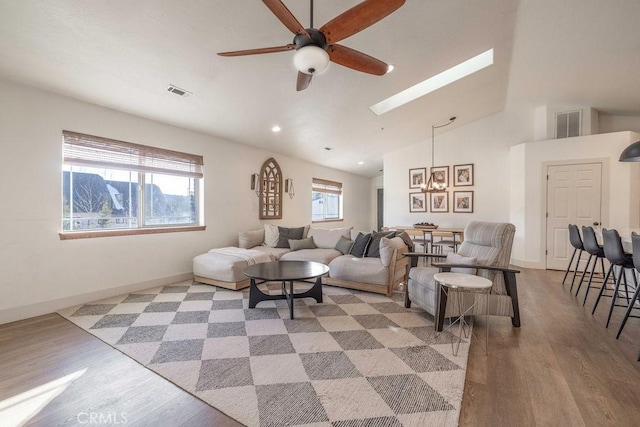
x,y
631,153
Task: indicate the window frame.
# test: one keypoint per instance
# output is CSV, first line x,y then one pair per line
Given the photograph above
x,y
109,154
326,187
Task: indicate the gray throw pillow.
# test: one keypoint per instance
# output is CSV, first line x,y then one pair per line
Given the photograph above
x,y
374,246
249,239
344,245
287,234
300,244
360,245
407,240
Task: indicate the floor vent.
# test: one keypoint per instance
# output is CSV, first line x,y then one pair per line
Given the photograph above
x,y
180,92
568,124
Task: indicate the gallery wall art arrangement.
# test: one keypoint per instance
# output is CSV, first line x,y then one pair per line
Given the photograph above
x,y
439,201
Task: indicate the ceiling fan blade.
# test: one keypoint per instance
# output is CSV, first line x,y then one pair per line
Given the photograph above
x,y
303,81
356,60
259,51
358,18
285,16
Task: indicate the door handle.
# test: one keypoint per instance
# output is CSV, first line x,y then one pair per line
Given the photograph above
x,y
596,224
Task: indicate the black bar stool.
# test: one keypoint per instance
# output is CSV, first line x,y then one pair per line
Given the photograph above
x,y
617,258
576,242
635,240
596,252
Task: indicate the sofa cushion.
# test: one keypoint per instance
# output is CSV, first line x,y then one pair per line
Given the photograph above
x,y
285,234
323,256
363,270
374,245
360,245
344,245
249,239
276,253
271,235
327,239
407,240
453,258
388,246
300,244
226,266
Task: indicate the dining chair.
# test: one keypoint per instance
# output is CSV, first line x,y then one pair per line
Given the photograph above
x,y
635,241
617,258
596,252
576,242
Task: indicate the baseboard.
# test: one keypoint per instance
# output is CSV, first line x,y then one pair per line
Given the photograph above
x,y
527,264
33,310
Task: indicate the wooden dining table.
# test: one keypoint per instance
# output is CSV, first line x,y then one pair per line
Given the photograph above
x,y
456,234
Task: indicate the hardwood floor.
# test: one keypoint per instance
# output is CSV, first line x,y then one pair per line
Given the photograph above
x,y
562,367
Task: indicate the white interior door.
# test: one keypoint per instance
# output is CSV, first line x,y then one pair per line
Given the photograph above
x,y
574,196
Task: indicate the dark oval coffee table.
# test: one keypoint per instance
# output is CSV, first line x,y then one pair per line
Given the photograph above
x,y
285,271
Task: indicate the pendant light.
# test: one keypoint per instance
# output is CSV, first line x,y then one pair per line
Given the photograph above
x,y
631,153
432,185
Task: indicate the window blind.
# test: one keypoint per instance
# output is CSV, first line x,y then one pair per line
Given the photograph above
x,y
95,151
325,186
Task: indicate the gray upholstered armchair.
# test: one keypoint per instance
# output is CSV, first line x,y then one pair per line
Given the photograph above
x,y
486,250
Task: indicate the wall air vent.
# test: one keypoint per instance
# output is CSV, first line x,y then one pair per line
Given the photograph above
x,y
568,124
180,92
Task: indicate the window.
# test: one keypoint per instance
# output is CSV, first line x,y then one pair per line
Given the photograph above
x,y
116,185
326,200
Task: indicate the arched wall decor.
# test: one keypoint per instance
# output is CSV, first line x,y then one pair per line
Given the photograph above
x,y
270,190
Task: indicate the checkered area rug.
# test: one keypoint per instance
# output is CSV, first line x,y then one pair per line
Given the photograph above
x,y
357,359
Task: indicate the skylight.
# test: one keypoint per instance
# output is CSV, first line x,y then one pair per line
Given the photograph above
x,y
434,83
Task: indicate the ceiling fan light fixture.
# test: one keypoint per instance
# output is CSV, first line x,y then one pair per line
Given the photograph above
x,y
311,60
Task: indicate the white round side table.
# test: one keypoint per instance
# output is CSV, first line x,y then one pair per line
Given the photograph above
x,y
461,284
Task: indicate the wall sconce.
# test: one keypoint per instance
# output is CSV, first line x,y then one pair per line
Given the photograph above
x,y
288,187
255,183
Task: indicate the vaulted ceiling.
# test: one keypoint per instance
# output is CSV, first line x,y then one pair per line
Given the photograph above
x,y
123,55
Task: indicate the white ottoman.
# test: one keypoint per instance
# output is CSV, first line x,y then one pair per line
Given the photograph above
x,y
223,267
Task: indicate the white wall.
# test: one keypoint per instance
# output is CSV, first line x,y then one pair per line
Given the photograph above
x,y
612,123
40,273
485,143
508,176
621,188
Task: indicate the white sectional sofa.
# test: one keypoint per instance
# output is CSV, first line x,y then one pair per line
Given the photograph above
x,y
380,274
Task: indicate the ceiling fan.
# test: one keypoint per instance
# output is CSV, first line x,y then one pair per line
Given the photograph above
x,y
316,47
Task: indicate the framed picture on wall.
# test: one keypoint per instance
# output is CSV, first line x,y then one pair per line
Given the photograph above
x,y
463,201
441,174
439,202
417,177
463,175
417,202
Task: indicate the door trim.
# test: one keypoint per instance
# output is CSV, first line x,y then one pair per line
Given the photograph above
x,y
604,200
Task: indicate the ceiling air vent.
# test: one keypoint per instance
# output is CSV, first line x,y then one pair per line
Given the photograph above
x,y
180,92
568,124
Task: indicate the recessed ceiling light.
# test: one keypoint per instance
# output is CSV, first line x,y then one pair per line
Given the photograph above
x,y
390,68
361,162
436,82
276,128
